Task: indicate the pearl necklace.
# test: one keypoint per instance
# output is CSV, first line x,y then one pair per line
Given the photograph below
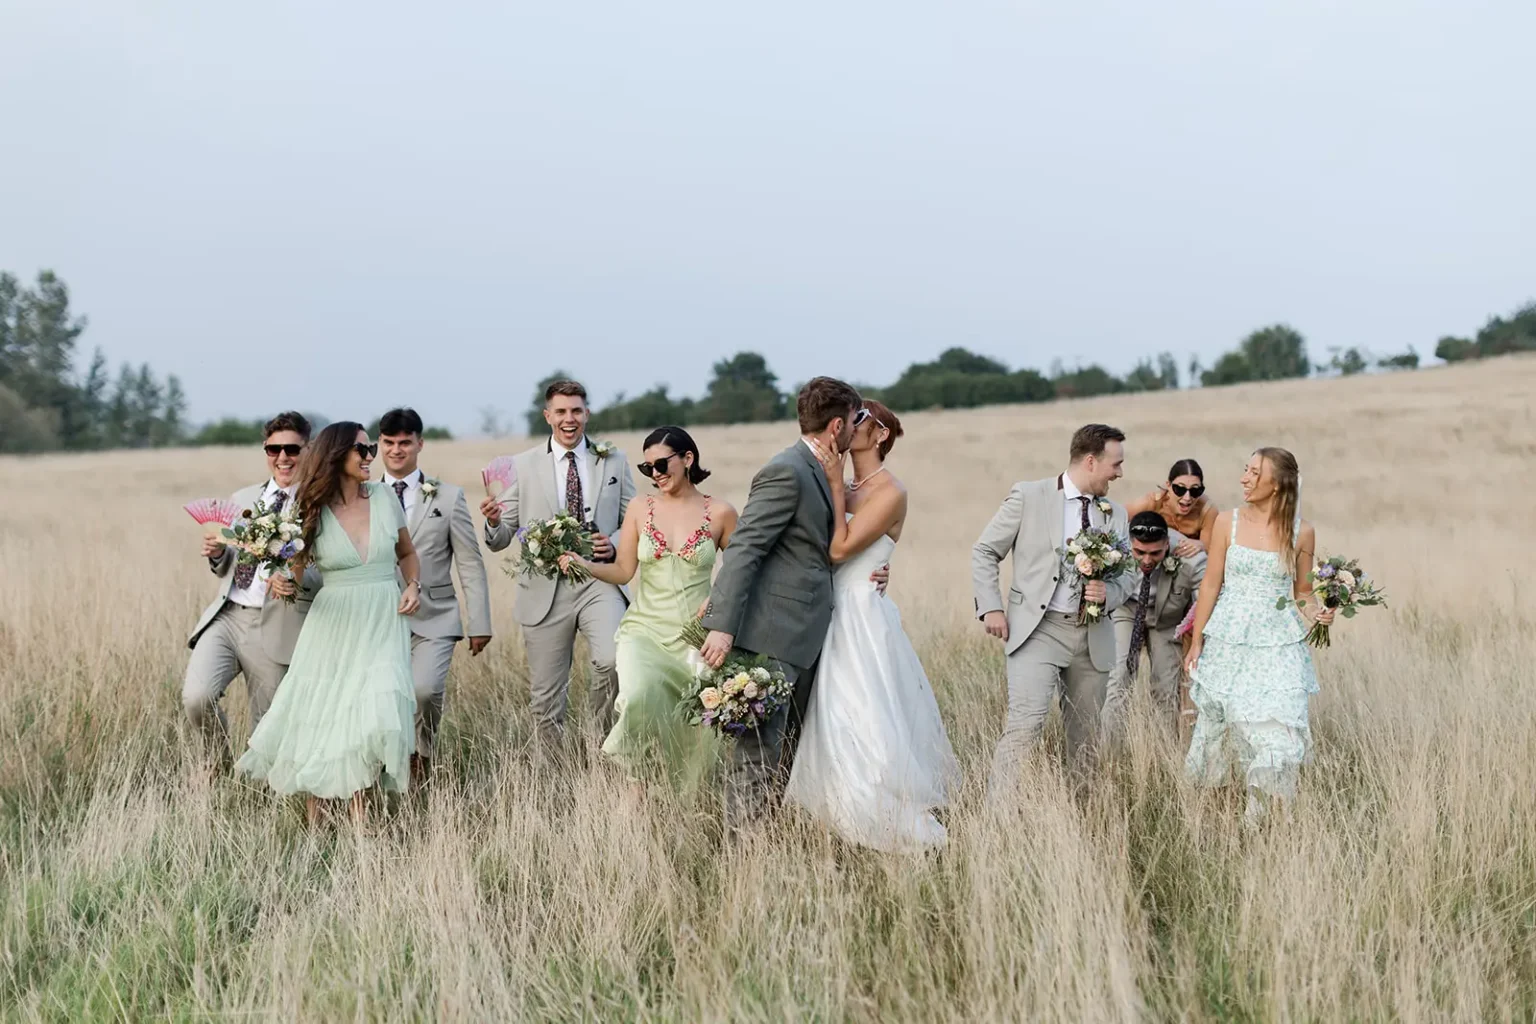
x,y
860,483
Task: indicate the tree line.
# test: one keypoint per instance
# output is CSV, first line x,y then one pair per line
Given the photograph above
x,y
743,389
47,404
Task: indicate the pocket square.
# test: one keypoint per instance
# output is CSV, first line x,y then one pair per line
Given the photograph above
x,y
437,513
613,480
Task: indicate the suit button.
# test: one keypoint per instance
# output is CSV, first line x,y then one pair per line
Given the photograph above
x,y
1042,607
1055,579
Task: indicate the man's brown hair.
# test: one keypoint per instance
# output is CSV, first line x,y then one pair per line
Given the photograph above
x,y
290,420
823,400
1093,439
568,388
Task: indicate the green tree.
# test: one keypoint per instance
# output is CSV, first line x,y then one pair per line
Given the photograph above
x,y
1402,361
1348,362
1277,352
650,409
1147,377
960,379
1086,381
1453,349
743,390
230,431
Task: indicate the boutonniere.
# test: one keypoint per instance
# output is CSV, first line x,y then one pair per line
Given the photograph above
x,y
1171,564
429,487
603,449
1105,507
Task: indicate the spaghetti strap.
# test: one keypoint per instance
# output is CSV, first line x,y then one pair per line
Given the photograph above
x,y
1234,524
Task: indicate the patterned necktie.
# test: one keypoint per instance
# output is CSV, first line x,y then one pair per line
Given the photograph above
x,y
573,502
1139,623
400,486
1084,499
245,572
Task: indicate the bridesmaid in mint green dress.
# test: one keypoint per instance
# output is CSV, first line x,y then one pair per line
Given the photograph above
x,y
343,718
1250,667
672,539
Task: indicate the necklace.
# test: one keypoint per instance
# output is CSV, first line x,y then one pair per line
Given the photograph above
x,y
860,483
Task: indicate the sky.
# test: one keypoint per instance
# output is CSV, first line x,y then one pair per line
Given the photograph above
x,y
343,206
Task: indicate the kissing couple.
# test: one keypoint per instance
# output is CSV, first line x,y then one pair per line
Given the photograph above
x,y
803,585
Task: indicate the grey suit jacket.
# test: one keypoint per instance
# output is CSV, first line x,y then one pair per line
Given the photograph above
x,y
532,498
1171,594
1029,525
280,621
774,590
444,535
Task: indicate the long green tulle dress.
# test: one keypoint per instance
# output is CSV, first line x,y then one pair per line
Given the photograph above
x,y
342,719
653,664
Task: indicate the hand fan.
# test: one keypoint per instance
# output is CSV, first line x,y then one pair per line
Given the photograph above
x,y
213,514
1187,625
499,476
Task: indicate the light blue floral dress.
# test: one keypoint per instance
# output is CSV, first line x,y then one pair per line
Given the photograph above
x,y
1253,681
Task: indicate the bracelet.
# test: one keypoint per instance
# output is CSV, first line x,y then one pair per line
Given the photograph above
x,y
413,583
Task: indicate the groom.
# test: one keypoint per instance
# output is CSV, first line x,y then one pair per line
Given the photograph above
x,y
1049,650
774,593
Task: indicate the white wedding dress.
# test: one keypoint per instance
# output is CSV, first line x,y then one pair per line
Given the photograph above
x,y
873,759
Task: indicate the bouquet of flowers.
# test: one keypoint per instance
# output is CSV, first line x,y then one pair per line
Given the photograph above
x,y
269,538
1096,555
542,544
737,697
213,514
1338,582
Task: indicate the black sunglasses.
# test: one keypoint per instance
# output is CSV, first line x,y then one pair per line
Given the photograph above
x,y
860,416
290,450
367,451
1149,532
650,469
1179,490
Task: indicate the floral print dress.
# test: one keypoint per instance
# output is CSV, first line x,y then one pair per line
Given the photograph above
x,y
1254,679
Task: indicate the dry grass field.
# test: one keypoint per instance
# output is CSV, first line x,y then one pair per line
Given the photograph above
x,y
1401,886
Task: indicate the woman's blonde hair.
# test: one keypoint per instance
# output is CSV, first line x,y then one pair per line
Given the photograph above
x,y
1286,475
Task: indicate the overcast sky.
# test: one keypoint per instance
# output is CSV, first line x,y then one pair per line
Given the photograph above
x,y
343,205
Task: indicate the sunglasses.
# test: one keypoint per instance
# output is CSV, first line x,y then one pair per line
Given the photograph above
x,y
860,416
367,451
290,450
651,469
1149,533
1179,490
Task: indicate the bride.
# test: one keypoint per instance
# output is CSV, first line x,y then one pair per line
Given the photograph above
x,y
873,760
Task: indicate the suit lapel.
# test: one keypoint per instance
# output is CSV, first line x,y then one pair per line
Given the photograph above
x,y
599,477
544,472
421,511
1055,517
1160,597
817,472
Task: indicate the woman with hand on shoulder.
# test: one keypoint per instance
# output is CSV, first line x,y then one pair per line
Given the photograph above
x,y
1182,503
344,718
672,539
1250,667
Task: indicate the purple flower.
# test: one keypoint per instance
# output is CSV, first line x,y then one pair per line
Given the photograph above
x,y
1325,571
286,552
757,707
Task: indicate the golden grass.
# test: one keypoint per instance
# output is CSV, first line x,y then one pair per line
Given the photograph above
x,y
1402,885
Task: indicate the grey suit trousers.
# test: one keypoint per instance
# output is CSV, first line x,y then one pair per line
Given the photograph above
x,y
430,659
1166,655
1054,660
758,761
230,646
594,609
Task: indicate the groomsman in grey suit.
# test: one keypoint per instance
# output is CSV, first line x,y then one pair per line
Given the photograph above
x,y
773,595
437,517
1162,591
1049,652
247,630
595,485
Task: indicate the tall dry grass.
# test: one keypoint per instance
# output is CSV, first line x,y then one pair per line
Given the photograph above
x,y
1403,884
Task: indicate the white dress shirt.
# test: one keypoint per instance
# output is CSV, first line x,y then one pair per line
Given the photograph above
x,y
1066,598
558,460
255,595
412,488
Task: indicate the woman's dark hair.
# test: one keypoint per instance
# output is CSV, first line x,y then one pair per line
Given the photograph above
x,y
680,442
1186,467
320,477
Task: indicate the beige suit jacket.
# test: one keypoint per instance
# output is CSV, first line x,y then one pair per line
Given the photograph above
x,y
1172,593
280,620
444,535
1029,526
532,498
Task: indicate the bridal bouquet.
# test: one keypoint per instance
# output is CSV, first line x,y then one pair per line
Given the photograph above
x,y
542,544
1340,583
1096,555
737,697
264,537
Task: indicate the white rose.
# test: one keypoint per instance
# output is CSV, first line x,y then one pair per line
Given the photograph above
x,y
1112,556
274,547
267,520
1074,548
533,548
761,674
1346,578
1084,565
749,691
298,544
